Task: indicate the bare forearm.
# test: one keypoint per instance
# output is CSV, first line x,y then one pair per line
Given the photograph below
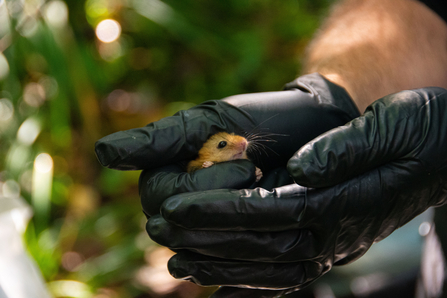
x,y
377,47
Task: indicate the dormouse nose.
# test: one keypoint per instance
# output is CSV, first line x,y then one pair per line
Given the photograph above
x,y
242,145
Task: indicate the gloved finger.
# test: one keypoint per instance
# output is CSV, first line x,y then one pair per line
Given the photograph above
x,y
238,210
161,183
391,128
207,271
282,246
170,139
233,292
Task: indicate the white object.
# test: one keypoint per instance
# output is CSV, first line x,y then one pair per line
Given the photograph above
x,y
19,275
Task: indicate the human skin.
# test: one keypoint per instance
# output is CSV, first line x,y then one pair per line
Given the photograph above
x,y
377,47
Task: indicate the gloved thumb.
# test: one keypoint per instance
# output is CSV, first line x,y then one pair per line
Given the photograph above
x,y
392,128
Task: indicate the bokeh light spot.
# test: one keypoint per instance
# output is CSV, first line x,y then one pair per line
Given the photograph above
x,y
43,163
118,100
110,51
34,94
108,30
424,228
6,110
106,225
71,261
28,131
101,9
56,13
28,27
11,189
4,67
69,288
50,85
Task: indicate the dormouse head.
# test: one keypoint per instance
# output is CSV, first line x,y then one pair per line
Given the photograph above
x,y
224,146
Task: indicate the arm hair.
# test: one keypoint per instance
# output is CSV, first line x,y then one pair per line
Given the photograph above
x,y
377,47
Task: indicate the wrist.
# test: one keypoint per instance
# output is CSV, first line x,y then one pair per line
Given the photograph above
x,y
340,81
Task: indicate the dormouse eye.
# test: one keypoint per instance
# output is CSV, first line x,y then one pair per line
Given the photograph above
x,y
222,144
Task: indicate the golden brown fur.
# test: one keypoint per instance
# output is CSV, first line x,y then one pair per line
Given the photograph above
x,y
235,149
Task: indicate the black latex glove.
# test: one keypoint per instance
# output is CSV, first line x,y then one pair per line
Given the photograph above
x,y
368,178
310,106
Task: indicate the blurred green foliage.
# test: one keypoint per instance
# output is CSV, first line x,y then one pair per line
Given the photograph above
x,y
61,89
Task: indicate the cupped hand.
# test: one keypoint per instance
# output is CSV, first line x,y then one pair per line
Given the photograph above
x,y
286,120
359,183
281,122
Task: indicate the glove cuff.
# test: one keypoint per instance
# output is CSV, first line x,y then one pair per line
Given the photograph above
x,y
326,92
